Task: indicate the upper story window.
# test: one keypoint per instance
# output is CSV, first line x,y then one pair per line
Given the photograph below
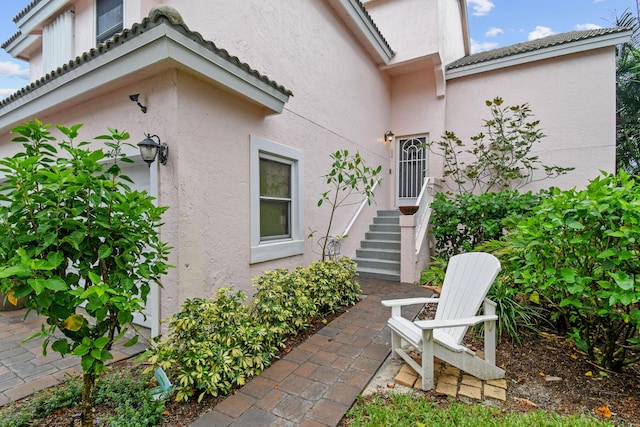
x,y
109,19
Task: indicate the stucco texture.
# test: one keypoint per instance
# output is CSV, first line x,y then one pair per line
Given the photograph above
x,y
569,95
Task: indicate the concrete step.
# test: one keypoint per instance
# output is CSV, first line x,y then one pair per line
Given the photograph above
x,y
387,220
380,235
379,274
380,244
385,228
380,254
388,213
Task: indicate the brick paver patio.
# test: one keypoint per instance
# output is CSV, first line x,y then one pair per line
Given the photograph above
x,y
23,368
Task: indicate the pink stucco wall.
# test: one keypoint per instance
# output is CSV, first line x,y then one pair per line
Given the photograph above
x,y
572,96
342,99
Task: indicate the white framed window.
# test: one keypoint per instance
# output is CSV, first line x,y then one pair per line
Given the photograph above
x,y
276,200
109,19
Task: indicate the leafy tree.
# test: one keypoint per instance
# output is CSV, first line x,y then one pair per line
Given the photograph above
x,y
349,176
73,234
628,98
500,157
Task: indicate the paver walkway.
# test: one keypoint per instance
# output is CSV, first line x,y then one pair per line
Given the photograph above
x,y
318,381
23,368
313,385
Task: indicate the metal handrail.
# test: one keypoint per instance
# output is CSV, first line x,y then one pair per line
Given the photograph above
x,y
355,216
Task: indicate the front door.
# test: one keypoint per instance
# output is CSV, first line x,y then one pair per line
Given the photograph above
x,y
411,169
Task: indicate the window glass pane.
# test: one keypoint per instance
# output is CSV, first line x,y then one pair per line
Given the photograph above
x,y
274,218
275,179
110,17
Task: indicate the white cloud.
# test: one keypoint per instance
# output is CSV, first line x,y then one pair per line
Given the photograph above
x,y
493,31
481,7
5,93
481,47
540,32
598,1
581,27
11,69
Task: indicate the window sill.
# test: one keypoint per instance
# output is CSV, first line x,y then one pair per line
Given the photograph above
x,y
274,250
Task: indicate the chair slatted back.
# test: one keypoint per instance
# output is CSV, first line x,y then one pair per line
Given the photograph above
x,y
466,284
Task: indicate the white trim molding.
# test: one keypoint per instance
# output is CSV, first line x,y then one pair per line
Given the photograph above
x,y
294,245
578,46
352,12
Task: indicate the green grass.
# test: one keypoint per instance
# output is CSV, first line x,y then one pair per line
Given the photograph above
x,y
399,410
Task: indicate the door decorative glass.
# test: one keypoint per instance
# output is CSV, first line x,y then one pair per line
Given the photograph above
x,y
411,169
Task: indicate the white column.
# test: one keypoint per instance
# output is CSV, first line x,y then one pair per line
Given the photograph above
x,y
407,249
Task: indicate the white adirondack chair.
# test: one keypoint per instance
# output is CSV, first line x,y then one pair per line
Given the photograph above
x,y
467,281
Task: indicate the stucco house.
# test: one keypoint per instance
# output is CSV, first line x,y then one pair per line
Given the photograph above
x,y
238,87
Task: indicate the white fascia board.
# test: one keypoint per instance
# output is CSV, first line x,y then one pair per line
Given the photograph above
x,y
200,59
22,44
366,28
160,43
541,54
465,26
40,14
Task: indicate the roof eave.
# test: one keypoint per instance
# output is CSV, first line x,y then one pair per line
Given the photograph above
x,y
577,46
153,46
360,23
466,37
35,17
21,44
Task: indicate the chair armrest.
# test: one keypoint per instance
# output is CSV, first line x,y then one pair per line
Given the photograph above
x,y
467,321
409,301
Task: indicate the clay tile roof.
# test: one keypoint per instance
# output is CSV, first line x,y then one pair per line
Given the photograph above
x,y
16,19
26,10
364,9
531,46
11,39
157,16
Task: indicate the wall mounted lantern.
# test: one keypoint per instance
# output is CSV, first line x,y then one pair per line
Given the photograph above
x,y
388,137
149,149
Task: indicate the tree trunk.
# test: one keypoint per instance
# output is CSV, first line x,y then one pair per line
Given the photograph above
x,y
89,381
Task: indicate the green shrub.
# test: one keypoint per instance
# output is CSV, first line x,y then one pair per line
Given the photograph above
x,y
283,301
130,400
515,312
580,252
126,395
333,284
462,222
215,345
42,404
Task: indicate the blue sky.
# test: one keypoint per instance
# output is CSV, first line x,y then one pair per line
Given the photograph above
x,y
492,23
498,23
